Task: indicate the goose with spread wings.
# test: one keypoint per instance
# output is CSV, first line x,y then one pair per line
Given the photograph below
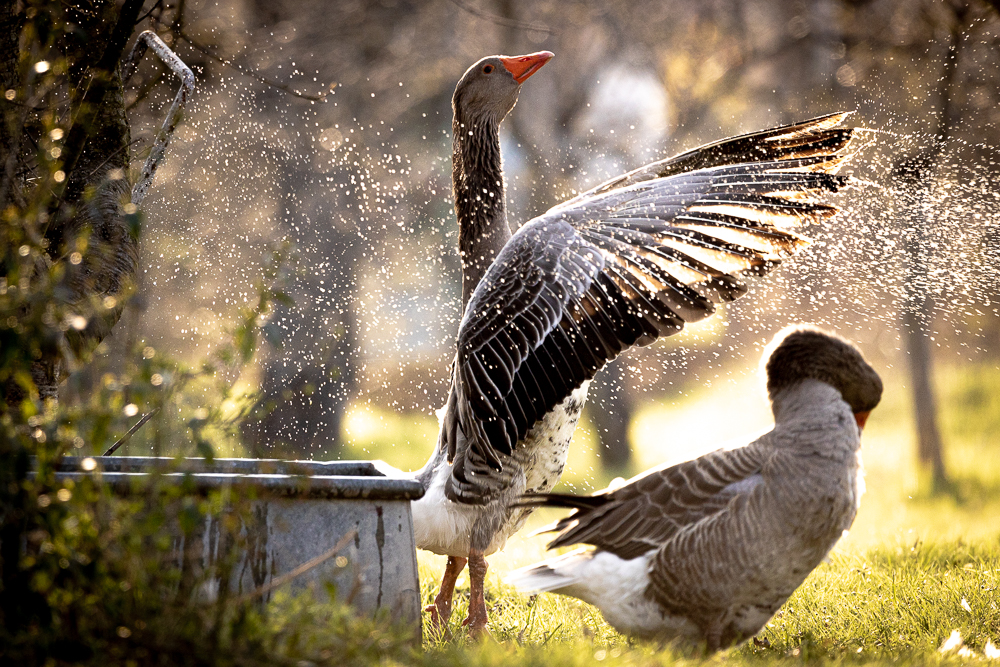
x,y
623,264
709,549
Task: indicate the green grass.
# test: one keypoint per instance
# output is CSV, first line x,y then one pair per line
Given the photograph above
x,y
893,591
888,604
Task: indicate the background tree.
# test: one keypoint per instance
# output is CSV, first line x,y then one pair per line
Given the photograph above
x,y
360,179
87,226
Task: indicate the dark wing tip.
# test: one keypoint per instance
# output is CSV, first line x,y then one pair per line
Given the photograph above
x,y
568,500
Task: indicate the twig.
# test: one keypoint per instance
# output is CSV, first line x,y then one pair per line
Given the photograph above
x,y
531,618
355,585
552,634
301,569
500,20
150,39
122,440
253,75
114,153
158,3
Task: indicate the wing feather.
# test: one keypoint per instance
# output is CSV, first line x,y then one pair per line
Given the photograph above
x,y
817,139
651,509
624,264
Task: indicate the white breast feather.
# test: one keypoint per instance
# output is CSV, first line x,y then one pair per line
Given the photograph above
x,y
547,443
440,525
444,527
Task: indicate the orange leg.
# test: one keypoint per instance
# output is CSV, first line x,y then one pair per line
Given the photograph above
x,y
478,618
440,609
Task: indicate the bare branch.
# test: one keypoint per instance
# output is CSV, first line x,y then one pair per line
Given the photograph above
x,y
301,569
122,440
157,5
506,22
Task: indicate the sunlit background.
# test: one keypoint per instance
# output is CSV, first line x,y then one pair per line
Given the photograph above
x,y
328,124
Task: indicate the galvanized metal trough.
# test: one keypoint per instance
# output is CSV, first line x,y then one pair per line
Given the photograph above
x,y
346,522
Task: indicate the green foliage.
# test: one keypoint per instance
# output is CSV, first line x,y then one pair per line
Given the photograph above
x,y
92,577
87,575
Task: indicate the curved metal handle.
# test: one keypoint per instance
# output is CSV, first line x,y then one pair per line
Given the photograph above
x,y
150,39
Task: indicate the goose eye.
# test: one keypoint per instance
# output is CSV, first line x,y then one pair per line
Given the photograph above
x,y
487,69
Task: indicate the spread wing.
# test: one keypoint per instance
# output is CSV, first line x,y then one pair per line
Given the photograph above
x,y
623,265
815,137
642,515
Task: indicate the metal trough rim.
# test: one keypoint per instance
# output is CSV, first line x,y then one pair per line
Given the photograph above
x,y
348,480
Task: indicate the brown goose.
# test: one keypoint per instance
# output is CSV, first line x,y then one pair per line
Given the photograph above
x,y
711,548
545,309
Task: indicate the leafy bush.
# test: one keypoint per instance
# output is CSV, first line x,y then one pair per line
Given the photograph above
x,y
90,576
87,575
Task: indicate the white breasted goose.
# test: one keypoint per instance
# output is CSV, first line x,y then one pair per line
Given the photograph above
x,y
710,549
623,264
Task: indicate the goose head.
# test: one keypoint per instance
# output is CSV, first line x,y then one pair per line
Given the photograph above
x,y
805,352
488,90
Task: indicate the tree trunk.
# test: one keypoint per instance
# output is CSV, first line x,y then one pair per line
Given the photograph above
x,y
913,179
86,212
80,211
308,382
915,175
929,445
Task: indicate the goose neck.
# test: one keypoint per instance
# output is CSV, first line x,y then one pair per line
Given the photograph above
x,y
802,399
478,189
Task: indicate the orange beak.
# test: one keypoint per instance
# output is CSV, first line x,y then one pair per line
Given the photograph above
x,y
521,67
861,418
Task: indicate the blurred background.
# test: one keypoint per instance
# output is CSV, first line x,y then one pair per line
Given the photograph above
x,y
328,124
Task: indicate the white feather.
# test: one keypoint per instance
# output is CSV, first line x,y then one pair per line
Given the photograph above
x,y
440,525
614,585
